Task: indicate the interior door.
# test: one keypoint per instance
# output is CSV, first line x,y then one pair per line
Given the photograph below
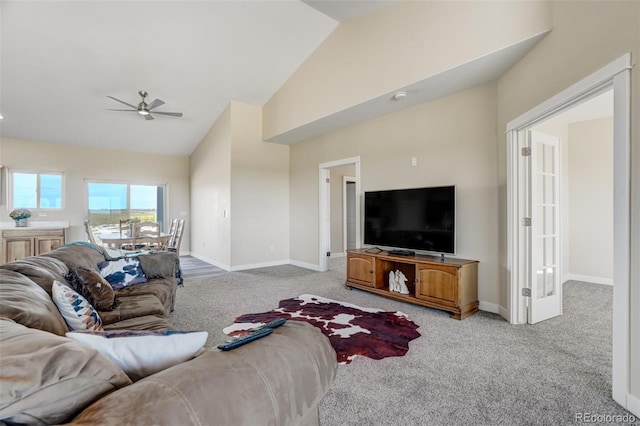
x,y
546,289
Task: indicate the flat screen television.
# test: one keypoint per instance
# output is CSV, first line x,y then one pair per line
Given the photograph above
x,y
417,219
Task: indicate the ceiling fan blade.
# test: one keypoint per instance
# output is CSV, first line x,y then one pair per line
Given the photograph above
x,y
156,103
173,114
148,117
111,109
122,102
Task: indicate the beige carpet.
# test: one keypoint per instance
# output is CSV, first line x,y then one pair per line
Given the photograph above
x,y
479,371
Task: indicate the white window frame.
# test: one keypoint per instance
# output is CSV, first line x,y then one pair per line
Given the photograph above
x,y
164,186
38,173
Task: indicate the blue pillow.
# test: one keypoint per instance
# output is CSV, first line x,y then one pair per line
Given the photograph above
x,y
123,272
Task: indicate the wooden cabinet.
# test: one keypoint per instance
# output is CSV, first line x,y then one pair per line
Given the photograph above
x,y
448,284
19,243
361,269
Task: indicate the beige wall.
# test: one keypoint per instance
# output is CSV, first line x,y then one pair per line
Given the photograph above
x,y
590,200
454,140
259,192
240,193
394,47
586,36
210,177
81,163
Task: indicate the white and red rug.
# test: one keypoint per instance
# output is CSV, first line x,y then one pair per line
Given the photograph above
x,y
351,329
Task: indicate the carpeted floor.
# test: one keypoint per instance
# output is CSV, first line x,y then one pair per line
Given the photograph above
x,y
479,371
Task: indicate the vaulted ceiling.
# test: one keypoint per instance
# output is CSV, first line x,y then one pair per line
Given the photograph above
x,y
59,60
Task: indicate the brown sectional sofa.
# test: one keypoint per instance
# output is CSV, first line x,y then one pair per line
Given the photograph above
x,y
47,378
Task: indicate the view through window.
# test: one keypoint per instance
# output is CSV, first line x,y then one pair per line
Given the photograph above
x,y
109,203
36,190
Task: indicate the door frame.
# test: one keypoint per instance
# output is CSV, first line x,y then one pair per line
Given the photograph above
x,y
616,75
324,228
345,181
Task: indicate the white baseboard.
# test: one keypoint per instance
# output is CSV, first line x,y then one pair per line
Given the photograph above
x,y
305,265
588,278
212,262
633,405
489,307
260,265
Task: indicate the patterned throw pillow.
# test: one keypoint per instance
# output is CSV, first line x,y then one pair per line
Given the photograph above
x,y
142,353
76,311
94,288
123,272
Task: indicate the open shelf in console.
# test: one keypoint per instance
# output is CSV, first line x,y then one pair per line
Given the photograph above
x,y
449,284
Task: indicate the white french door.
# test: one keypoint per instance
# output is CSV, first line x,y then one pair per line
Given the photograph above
x,y
544,205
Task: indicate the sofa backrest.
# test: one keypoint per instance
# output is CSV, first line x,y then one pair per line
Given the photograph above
x,y
26,303
41,270
78,256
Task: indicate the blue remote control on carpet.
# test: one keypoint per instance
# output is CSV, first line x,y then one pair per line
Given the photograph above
x,y
239,341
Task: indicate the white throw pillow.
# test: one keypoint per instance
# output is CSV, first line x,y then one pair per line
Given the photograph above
x,y
142,353
75,309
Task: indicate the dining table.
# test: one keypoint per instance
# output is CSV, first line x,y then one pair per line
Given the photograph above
x,y
116,239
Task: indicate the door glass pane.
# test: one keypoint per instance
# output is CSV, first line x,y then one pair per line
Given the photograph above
x,y
540,283
25,190
550,277
549,186
50,191
107,205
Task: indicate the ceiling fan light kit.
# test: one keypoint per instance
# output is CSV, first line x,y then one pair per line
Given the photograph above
x,y
143,108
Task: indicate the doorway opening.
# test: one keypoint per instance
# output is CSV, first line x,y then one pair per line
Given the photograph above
x,y
522,274
339,188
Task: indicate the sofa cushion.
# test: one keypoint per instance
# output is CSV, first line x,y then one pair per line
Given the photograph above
x,y
49,379
147,322
41,270
123,272
159,265
93,287
131,307
75,309
281,377
164,289
142,353
27,303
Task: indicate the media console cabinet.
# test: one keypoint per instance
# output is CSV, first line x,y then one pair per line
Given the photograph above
x,y
448,284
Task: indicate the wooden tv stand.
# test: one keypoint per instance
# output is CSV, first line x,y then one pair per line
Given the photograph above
x,y
450,284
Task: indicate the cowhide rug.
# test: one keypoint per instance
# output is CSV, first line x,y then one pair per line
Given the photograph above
x,y
351,329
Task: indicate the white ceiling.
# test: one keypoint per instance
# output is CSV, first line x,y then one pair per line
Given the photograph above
x,y
60,60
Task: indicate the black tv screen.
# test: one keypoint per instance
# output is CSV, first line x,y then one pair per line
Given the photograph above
x,y
417,219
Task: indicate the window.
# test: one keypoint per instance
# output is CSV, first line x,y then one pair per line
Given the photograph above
x,y
110,202
32,190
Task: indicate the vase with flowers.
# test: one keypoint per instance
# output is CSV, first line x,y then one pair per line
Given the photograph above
x,y
21,217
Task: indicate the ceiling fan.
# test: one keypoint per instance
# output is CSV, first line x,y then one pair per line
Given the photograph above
x,y
143,108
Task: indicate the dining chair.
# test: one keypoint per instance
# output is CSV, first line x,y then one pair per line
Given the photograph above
x,y
176,236
90,236
146,236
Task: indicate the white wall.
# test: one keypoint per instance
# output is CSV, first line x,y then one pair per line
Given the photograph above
x,y
210,176
586,37
259,193
397,46
455,142
591,201
79,163
240,193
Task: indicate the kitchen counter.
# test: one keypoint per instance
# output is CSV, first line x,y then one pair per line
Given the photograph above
x,y
37,224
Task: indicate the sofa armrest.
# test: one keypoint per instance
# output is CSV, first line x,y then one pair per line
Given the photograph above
x,y
278,379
